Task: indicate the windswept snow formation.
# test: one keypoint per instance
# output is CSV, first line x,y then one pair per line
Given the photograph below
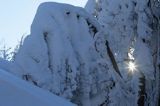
x,y
62,54
16,92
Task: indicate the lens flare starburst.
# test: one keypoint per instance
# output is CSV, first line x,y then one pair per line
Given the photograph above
x,y
132,66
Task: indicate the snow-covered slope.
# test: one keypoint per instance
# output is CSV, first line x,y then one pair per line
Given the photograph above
x,y
16,92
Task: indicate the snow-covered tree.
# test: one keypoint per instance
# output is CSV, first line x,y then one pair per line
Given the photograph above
x,y
5,57
109,56
5,52
155,47
128,25
17,47
61,55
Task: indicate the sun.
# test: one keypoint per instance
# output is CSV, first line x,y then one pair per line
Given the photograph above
x,y
132,66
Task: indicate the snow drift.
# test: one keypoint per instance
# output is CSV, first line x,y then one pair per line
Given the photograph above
x,y
16,92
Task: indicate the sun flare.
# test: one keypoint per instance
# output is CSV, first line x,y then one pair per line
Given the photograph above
x,y
132,66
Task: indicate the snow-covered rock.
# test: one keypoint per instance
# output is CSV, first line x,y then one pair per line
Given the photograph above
x,y
16,92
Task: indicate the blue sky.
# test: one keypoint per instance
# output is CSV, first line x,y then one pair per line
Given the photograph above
x,y
17,16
